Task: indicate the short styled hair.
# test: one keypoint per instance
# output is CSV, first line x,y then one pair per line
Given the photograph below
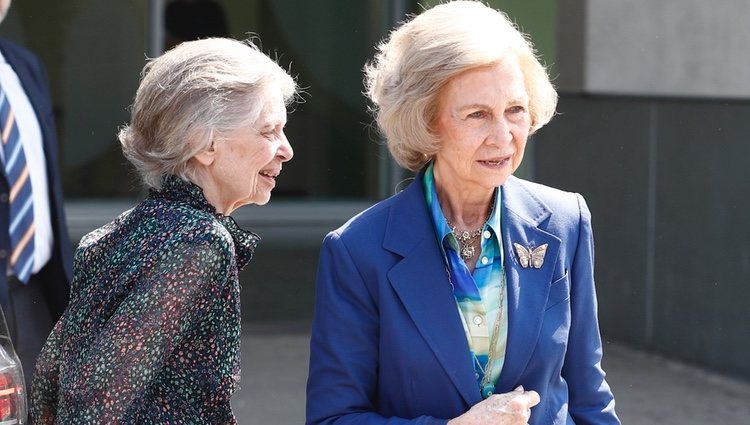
x,y
419,57
192,95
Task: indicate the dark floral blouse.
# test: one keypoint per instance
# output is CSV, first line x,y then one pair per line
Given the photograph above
x,y
152,331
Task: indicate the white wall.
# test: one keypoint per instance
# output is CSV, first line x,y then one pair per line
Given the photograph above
x,y
658,47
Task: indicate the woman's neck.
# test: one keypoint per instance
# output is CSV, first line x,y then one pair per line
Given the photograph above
x,y
466,210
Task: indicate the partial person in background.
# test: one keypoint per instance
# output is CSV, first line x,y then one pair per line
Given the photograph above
x,y
152,333
186,20
35,250
468,297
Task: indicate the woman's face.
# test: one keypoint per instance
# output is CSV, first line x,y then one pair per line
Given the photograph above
x,y
4,6
248,160
482,123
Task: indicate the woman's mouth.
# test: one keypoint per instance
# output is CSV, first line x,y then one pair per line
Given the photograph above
x,y
271,174
495,162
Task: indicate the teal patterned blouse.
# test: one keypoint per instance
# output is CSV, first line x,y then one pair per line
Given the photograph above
x,y
152,331
478,295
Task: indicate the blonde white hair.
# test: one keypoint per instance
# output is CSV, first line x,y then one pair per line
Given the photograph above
x,y
418,58
190,96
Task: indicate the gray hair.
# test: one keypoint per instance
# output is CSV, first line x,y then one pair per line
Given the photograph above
x,y
191,95
411,66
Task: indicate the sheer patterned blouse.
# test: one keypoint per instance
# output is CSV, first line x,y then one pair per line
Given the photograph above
x,y
152,331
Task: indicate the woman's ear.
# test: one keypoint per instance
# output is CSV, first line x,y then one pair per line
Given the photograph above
x,y
207,156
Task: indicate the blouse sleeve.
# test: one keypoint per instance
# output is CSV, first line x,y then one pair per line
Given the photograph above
x,y
168,301
44,388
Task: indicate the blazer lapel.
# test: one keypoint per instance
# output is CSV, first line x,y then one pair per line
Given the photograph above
x,y
528,287
421,282
25,74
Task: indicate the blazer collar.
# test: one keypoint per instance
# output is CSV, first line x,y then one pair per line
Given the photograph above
x,y
20,61
524,217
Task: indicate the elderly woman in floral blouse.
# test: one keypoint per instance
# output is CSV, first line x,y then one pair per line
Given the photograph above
x,y
152,333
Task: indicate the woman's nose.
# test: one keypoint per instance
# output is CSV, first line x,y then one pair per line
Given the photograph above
x,y
285,151
501,132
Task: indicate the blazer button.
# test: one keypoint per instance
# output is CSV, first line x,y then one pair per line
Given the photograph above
x,y
3,197
3,254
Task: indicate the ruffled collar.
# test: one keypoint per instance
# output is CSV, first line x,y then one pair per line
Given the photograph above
x,y
176,189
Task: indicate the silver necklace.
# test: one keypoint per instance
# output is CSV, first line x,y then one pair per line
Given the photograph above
x,y
487,388
465,240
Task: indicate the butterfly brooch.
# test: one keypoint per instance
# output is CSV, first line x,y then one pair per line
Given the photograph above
x,y
533,257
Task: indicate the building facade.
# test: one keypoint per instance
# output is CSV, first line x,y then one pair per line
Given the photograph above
x,y
652,130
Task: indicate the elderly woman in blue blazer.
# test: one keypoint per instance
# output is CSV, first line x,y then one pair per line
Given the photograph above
x,y
467,298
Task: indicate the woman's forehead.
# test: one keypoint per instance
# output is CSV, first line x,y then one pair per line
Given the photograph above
x,y
273,112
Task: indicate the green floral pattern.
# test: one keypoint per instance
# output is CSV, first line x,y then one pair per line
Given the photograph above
x,y
152,331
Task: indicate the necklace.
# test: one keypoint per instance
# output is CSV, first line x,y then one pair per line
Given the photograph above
x,y
466,240
487,388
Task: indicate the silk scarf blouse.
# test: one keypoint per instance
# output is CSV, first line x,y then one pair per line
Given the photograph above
x,y
478,294
152,331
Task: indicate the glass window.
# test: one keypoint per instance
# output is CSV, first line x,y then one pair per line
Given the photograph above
x,y
94,51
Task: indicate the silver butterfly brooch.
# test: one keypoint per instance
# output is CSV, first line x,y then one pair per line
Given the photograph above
x,y
533,257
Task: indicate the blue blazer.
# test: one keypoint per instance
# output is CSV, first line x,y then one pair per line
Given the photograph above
x,y
388,346
58,273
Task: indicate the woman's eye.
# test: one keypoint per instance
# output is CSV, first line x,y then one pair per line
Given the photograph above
x,y
517,109
272,134
477,114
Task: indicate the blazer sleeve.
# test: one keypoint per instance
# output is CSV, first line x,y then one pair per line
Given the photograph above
x,y
344,348
136,341
591,400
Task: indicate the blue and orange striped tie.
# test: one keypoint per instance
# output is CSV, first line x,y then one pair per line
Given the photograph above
x,y
21,209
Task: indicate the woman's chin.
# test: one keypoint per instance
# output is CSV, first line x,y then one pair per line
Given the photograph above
x,y
260,198
496,180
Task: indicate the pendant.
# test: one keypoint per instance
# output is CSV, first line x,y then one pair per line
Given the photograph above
x,y
465,237
488,390
467,252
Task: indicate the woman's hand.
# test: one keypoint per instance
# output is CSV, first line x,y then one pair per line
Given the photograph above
x,y
513,408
